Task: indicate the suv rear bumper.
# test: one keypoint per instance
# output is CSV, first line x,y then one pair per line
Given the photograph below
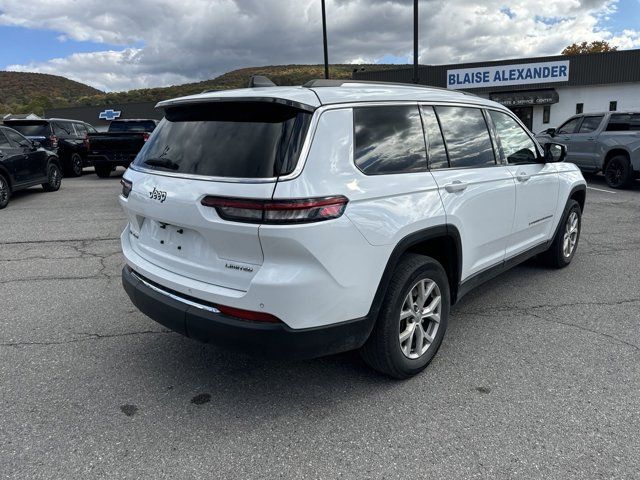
x,y
118,160
200,321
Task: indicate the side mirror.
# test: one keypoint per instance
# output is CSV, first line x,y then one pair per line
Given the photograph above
x,y
550,131
36,144
554,152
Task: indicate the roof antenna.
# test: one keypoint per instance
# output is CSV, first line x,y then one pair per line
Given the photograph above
x,y
260,81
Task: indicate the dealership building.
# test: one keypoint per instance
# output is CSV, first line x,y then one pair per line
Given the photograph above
x,y
541,91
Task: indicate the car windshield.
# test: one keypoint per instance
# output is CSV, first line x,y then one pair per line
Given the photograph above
x,y
30,129
132,126
227,139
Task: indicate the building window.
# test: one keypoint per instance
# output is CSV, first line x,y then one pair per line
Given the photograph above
x,y
579,107
546,114
613,106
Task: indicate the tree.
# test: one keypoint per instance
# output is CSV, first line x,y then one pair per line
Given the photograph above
x,y
596,46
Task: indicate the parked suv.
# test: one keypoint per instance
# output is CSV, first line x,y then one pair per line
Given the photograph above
x,y
303,221
67,138
23,164
602,142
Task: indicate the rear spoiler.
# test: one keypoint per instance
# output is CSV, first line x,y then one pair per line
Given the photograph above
x,y
193,101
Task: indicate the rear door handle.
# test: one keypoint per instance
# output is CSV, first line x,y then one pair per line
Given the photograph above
x,y
522,176
456,186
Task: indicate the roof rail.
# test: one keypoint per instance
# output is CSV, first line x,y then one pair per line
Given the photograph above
x,y
323,82
260,81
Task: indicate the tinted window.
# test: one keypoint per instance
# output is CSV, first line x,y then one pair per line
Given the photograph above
x,y
466,136
90,128
516,146
81,130
132,126
63,129
621,122
436,152
16,139
570,126
246,140
4,143
30,129
389,140
589,124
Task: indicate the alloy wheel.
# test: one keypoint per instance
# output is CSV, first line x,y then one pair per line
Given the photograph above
x,y
570,234
420,318
54,177
4,190
614,173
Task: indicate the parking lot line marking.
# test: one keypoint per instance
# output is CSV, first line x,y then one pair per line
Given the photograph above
x,y
602,190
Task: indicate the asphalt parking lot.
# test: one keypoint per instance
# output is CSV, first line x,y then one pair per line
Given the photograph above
x,y
538,376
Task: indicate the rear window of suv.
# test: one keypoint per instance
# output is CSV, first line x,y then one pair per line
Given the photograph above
x,y
227,139
132,126
30,129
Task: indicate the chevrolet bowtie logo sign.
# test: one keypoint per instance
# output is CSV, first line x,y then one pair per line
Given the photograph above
x,y
109,114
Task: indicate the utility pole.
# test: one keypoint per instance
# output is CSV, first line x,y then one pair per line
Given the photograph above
x,y
324,41
415,41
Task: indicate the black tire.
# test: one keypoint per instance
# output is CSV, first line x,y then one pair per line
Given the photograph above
x,y
54,176
103,171
74,166
5,192
383,350
618,172
555,256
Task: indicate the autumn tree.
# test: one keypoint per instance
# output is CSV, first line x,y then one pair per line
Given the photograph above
x,y
597,46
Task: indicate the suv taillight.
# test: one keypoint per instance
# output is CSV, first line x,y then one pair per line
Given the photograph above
x,y
126,187
86,142
303,210
54,141
145,136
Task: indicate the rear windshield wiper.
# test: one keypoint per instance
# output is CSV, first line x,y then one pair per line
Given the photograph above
x,y
162,162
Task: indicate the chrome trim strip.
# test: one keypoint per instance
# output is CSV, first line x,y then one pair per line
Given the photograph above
x,y
174,296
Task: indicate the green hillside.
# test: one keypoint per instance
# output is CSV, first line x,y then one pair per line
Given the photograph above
x,y
22,92
47,92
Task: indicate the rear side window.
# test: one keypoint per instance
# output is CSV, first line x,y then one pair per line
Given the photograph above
x,y
63,129
4,143
467,137
622,122
389,140
589,124
227,139
132,126
31,129
81,130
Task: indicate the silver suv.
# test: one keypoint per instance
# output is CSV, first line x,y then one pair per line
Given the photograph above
x,y
601,142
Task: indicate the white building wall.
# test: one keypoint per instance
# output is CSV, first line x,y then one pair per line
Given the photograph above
x,y
594,98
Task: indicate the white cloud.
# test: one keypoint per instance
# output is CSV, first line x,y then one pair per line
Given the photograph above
x,y
190,40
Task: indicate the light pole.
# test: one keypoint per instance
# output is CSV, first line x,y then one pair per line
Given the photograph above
x,y
415,41
324,41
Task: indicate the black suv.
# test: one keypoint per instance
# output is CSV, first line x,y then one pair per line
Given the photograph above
x,y
68,138
23,164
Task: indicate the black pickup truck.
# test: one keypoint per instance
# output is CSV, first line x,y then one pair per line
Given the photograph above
x,y
119,145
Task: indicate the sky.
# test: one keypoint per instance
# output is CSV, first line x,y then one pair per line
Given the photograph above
x,y
125,44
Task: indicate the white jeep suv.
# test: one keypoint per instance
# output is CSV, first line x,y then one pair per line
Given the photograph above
x,y
338,215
